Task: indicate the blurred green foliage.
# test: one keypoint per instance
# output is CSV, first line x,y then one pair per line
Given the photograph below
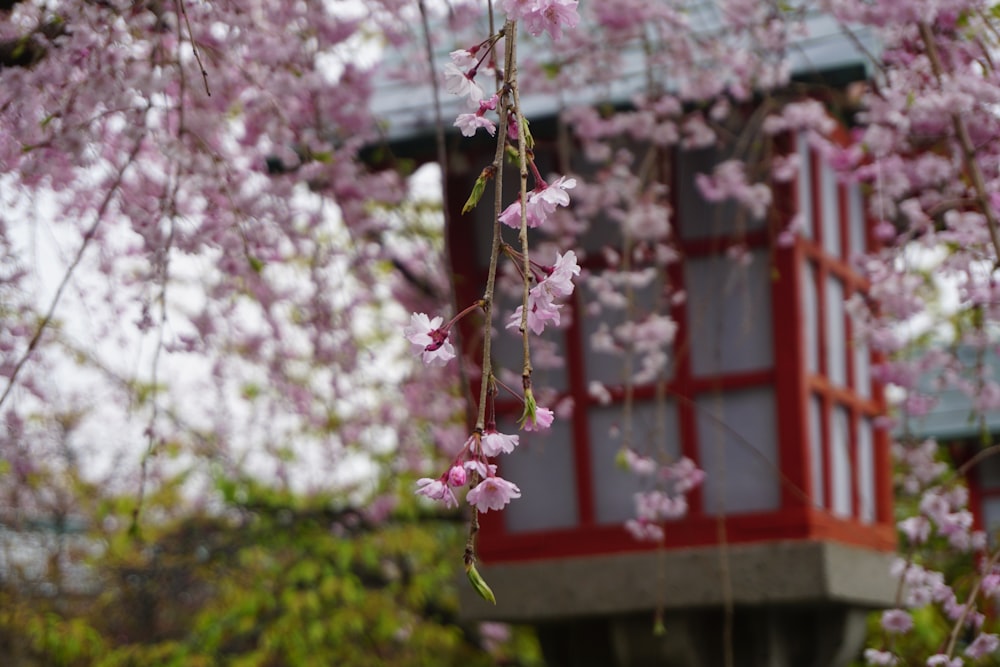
x,y
267,579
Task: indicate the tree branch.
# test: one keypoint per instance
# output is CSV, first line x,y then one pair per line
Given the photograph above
x,y
88,236
972,167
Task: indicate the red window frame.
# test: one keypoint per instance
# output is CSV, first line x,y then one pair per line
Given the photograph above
x,y
800,515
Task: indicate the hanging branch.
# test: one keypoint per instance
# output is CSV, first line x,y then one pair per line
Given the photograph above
x,y
487,305
972,167
522,158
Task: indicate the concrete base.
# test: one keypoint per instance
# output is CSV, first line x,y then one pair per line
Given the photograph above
x,y
796,603
793,572
791,636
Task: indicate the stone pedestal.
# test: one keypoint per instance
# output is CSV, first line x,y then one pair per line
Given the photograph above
x,y
771,636
794,604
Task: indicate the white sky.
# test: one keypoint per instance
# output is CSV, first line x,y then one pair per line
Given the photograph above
x,y
113,440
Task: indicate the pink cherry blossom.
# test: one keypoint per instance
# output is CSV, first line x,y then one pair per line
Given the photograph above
x,y
644,530
684,474
429,340
874,657
493,493
456,476
480,468
468,123
542,202
518,9
648,221
982,646
495,443
728,181
797,116
540,313
657,506
543,420
555,194
511,216
785,168
638,464
551,16
464,60
916,528
942,660
599,392
436,489
461,84
489,104
559,282
990,584
896,621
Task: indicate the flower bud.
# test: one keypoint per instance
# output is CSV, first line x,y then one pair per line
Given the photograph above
x,y
456,476
480,584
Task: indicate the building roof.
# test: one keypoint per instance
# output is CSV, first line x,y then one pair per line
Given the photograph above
x,y
825,45
953,416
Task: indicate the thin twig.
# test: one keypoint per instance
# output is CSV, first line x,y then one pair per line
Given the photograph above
x,y
979,457
487,368
469,557
740,440
510,65
194,45
164,279
975,173
860,46
488,294
960,621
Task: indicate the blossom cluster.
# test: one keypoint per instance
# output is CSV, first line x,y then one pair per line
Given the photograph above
x,y
199,212
943,518
541,203
667,501
728,181
430,337
472,465
541,16
542,305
